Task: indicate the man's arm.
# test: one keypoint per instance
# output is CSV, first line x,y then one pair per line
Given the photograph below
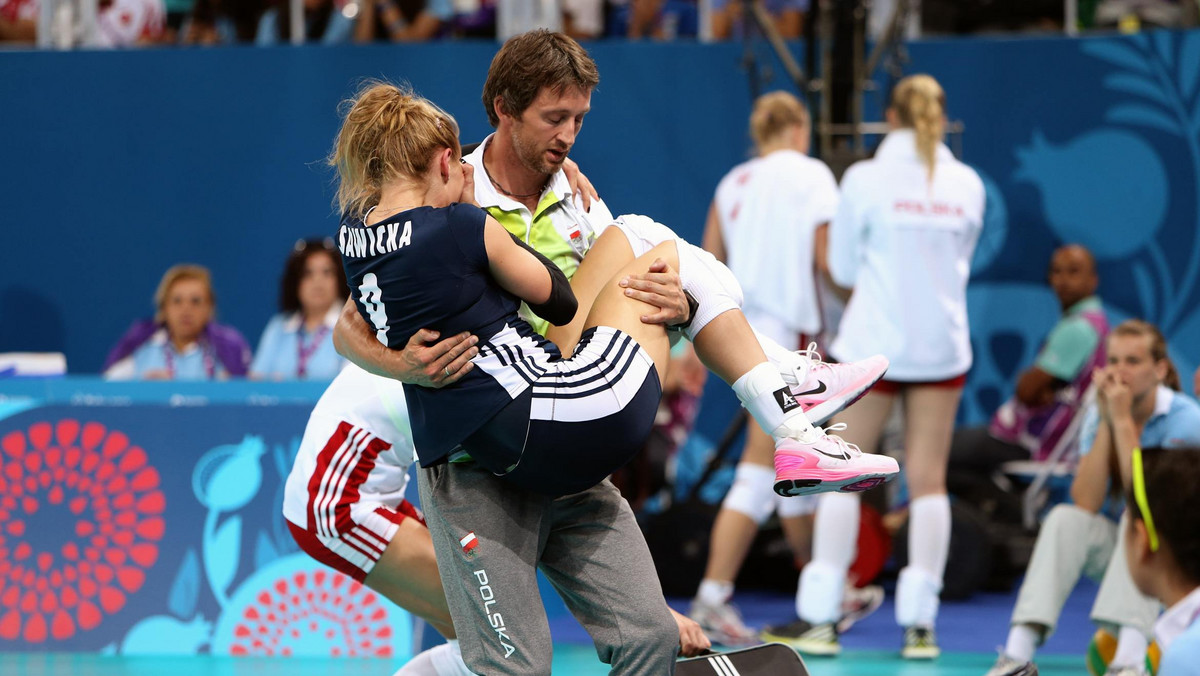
x,y
421,362
1036,388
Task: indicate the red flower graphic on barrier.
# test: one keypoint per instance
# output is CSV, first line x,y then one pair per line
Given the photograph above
x,y
320,608
91,485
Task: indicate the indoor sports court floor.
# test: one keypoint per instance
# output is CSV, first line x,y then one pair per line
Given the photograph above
x,y
969,632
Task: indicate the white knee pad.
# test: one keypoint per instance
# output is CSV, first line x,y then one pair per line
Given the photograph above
x,y
821,588
643,232
708,281
752,492
917,598
791,507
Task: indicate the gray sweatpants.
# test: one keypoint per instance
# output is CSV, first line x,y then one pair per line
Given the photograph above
x,y
491,537
1074,542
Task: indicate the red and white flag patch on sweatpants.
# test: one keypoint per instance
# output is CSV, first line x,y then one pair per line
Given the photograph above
x,y
469,542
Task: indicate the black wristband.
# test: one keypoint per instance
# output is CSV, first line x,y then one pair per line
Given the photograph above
x,y
693,306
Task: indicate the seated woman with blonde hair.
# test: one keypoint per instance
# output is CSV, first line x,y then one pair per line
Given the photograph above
x,y
181,342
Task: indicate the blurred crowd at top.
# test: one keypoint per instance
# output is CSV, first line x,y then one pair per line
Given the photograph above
x,y
127,23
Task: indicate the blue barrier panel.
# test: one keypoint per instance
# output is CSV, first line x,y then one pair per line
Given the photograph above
x,y
145,518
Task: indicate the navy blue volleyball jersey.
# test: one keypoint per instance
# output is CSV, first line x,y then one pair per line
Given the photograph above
x,y
428,268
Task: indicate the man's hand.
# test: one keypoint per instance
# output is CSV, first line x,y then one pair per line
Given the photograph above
x,y
468,191
428,364
580,185
421,362
660,287
692,640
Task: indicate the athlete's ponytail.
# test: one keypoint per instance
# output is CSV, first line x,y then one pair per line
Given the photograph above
x,y
387,132
920,104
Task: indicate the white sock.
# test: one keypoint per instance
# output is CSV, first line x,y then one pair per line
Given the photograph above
x,y
1022,642
769,400
929,534
835,538
1131,649
714,592
920,581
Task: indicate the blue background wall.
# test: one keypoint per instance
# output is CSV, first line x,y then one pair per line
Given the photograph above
x,y
119,164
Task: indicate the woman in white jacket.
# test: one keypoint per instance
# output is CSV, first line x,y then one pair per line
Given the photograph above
x,y
902,239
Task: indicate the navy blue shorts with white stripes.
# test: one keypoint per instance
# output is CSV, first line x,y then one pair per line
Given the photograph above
x,y
578,422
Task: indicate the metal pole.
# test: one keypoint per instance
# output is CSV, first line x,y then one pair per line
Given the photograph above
x,y
89,26
1071,17
296,26
45,26
767,26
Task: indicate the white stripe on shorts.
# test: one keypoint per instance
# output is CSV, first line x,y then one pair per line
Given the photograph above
x,y
598,381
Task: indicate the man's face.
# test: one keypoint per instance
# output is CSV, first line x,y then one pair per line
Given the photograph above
x,y
544,134
1072,275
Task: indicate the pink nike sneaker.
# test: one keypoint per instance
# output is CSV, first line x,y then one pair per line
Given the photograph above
x,y
828,463
824,389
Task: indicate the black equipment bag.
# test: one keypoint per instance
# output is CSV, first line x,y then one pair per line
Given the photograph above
x,y
770,659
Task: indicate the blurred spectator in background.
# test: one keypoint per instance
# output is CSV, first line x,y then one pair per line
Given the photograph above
x,y
18,20
474,19
215,22
1137,404
298,342
325,22
581,19
980,16
731,17
402,20
119,23
660,19
1049,393
128,23
178,12
182,342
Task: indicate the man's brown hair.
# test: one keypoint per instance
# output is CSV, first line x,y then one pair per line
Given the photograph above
x,y
530,61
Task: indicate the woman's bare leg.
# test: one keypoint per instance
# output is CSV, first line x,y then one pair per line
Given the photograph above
x,y
606,258
407,575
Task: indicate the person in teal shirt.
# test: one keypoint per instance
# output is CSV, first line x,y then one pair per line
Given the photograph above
x,y
1049,393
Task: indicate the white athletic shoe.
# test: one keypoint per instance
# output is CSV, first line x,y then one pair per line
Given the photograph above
x,y
823,463
823,389
722,624
1007,666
